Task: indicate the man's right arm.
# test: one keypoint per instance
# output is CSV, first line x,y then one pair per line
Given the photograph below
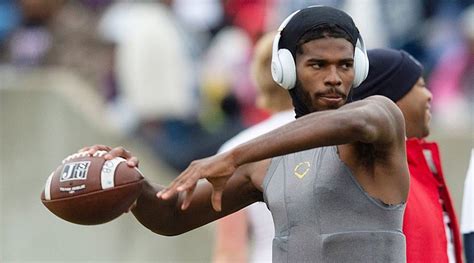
x,y
166,217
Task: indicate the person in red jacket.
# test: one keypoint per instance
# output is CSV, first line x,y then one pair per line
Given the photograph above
x,y
430,223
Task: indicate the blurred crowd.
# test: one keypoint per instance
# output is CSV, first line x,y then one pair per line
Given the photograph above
x,y
176,72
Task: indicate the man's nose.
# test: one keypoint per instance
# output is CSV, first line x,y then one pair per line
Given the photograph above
x,y
332,78
429,94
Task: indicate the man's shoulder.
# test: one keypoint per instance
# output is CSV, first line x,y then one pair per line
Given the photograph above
x,y
378,120
379,99
376,104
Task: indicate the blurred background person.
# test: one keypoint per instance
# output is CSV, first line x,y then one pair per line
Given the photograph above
x,y
30,40
429,223
76,45
246,236
452,80
467,217
153,69
202,20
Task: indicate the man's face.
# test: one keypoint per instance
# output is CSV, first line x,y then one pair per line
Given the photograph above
x,y
415,106
325,73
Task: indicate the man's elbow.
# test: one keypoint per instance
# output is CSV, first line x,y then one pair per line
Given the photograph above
x,y
363,128
377,122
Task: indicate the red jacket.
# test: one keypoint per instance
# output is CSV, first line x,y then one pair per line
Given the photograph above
x,y
423,222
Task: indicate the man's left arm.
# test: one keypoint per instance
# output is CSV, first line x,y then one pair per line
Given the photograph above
x,y
375,120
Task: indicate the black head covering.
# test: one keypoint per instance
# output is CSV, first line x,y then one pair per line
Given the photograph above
x,y
311,17
392,73
304,21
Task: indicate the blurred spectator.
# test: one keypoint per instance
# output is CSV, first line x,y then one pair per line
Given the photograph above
x,y
452,80
202,16
75,43
225,72
202,19
249,15
153,69
31,41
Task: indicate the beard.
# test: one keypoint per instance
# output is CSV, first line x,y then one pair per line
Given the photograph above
x,y
303,100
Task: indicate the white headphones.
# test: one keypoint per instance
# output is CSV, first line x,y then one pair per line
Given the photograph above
x,y
284,68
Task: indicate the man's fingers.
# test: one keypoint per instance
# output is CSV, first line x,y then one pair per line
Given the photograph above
x,y
98,147
110,154
186,183
217,200
94,148
181,183
118,152
176,187
188,197
133,162
167,192
170,190
84,149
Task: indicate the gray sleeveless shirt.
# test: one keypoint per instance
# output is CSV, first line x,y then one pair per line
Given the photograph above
x,y
322,214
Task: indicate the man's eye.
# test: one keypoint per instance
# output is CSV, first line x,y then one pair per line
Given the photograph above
x,y
347,65
316,65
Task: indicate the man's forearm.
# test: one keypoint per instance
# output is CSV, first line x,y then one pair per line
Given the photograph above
x,y
165,216
155,214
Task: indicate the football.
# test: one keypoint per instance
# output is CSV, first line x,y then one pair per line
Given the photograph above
x,y
90,190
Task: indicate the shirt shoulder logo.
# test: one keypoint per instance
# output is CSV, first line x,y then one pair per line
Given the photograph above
x,y
302,169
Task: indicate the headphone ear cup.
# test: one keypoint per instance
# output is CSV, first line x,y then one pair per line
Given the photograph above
x,y
288,69
277,73
361,66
